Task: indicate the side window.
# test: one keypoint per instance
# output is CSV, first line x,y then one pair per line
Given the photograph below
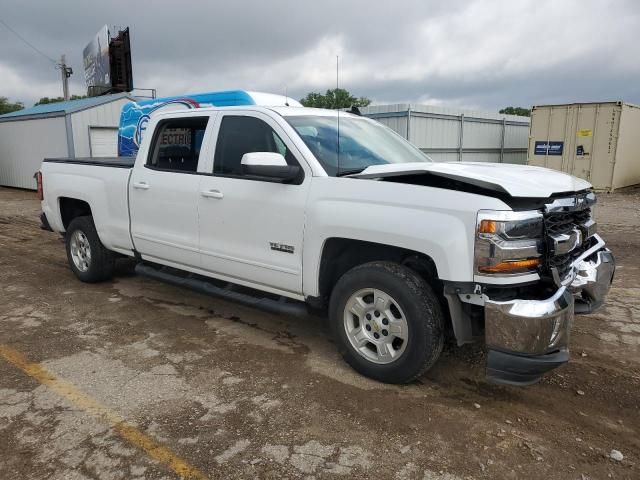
x,y
280,146
176,144
239,135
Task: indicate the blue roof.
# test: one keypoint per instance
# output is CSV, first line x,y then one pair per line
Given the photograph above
x,y
62,108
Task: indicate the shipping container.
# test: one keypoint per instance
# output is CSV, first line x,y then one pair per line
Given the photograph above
x,y
449,134
599,142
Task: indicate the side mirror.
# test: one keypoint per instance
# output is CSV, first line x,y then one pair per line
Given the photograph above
x,y
269,165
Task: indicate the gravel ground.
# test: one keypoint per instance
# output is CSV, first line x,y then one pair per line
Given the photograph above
x,y
137,379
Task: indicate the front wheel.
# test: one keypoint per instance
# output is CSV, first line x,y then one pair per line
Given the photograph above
x,y
88,258
387,321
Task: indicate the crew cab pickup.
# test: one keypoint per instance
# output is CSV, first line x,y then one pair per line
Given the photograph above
x,y
336,210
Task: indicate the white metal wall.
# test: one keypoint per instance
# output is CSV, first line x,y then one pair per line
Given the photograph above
x,y
432,132
450,134
106,115
23,145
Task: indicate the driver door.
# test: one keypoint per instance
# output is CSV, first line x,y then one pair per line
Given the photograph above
x,y
251,230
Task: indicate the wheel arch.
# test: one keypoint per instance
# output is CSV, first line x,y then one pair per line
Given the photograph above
x,y
71,208
339,255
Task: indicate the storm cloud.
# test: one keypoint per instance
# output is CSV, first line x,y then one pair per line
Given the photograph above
x,y
475,54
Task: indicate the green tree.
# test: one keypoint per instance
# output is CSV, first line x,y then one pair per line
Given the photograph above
x,y
46,100
523,112
334,98
7,107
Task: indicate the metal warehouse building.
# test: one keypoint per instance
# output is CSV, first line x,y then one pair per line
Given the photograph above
x,y
599,142
449,134
77,128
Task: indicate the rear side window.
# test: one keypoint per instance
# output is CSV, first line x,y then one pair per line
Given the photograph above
x,y
176,144
239,135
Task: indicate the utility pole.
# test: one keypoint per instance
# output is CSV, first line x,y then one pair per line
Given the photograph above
x,y
66,72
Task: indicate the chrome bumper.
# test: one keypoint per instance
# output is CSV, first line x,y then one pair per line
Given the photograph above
x,y
527,338
537,327
530,327
592,281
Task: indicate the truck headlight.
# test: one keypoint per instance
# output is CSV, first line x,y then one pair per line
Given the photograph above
x,y
508,243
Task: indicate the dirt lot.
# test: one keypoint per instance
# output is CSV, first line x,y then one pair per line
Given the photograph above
x,y
138,379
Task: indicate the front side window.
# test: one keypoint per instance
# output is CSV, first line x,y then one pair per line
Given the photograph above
x,y
176,144
241,134
362,143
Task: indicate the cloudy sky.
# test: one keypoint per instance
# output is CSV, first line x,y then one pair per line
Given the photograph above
x,y
476,54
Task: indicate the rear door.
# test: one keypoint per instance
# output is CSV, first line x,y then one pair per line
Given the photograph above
x,y
251,230
164,193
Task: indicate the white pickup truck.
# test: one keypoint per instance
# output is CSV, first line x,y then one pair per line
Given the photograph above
x,y
337,210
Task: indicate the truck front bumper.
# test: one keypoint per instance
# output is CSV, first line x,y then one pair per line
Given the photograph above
x,y
527,338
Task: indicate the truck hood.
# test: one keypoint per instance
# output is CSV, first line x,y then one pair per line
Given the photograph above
x,y
514,180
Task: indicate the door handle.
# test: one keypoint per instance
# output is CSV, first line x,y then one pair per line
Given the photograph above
x,y
141,185
212,194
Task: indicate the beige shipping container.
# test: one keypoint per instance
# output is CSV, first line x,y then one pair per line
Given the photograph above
x,y
599,142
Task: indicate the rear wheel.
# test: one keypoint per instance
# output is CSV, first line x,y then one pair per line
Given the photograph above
x,y
89,260
387,321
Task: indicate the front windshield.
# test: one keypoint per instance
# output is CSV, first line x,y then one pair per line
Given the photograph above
x,y
362,143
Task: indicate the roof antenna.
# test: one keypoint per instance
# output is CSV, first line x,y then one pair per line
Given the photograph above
x,y
286,99
338,109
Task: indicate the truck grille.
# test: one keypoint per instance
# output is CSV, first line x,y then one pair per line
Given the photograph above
x,y
562,263
565,222
557,225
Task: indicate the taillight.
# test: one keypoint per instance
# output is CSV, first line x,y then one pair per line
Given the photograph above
x,y
39,181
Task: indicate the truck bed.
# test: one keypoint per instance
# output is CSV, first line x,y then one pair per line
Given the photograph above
x,y
116,162
105,190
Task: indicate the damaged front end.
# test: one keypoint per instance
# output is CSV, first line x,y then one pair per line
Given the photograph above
x,y
527,307
526,338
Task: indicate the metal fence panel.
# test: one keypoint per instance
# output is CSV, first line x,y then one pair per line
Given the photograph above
x,y
450,134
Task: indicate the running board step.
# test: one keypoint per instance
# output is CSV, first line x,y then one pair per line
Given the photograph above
x,y
281,306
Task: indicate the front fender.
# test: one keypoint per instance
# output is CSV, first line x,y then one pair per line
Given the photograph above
x,y
436,222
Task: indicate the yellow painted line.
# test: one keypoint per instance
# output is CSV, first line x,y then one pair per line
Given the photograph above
x,y
90,405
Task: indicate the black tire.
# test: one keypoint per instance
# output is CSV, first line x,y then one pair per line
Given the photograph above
x,y
420,306
102,261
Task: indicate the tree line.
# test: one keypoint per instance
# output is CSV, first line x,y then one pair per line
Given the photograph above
x,y
7,106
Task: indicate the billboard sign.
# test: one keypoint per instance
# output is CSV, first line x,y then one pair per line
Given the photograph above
x,y
120,61
97,67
